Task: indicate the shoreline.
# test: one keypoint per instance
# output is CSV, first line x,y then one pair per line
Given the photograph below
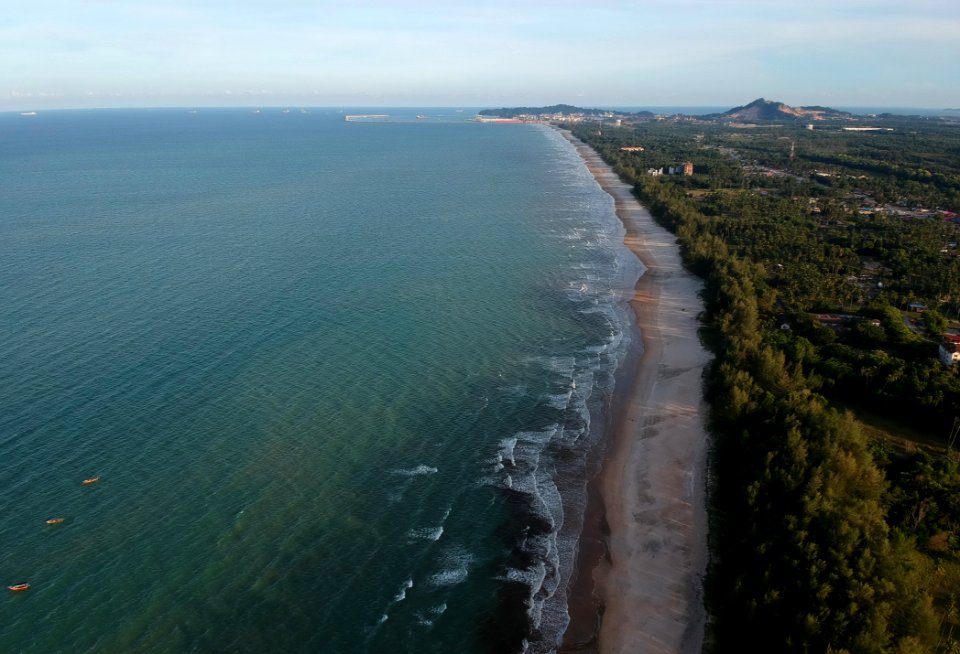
x,y
642,554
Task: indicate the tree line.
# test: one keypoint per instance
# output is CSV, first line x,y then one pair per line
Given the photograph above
x,y
821,539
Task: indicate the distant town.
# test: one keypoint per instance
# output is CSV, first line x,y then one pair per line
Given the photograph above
x,y
760,113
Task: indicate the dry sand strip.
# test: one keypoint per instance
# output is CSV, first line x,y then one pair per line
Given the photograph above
x,y
652,483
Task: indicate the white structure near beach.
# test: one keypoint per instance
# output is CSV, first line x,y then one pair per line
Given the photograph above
x,y
950,350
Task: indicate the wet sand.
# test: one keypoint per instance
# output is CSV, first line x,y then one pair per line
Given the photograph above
x,y
643,552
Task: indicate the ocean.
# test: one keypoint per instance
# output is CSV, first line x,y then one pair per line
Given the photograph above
x,y
337,380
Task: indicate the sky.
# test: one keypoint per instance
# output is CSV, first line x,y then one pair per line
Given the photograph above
x,y
485,53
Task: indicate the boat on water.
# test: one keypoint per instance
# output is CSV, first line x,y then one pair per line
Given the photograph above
x,y
19,587
92,480
55,521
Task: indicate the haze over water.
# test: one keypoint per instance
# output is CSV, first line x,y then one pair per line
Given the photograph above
x,y
329,375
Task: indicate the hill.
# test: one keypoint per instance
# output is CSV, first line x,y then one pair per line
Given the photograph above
x,y
761,109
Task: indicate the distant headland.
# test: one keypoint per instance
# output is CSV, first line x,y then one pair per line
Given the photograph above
x,y
556,110
761,112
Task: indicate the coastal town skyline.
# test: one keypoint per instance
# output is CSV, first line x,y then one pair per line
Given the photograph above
x,y
685,53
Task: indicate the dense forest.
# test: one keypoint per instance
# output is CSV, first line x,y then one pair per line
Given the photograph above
x,y
832,272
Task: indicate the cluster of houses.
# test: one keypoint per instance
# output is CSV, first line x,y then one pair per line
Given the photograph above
x,y
949,350
867,206
685,169
557,117
839,322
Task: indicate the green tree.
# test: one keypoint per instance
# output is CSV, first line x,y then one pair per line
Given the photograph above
x,y
934,322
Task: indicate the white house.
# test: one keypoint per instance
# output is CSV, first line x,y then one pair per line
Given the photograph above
x,y
950,351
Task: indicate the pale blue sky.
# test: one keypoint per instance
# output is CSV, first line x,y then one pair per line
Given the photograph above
x,y
103,53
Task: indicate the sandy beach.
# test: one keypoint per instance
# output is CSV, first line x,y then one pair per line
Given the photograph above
x,y
644,548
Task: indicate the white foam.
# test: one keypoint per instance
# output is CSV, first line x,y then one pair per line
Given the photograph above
x,y
559,401
450,577
426,533
549,496
506,450
414,472
433,612
455,566
575,234
402,594
563,365
599,281
531,577
523,451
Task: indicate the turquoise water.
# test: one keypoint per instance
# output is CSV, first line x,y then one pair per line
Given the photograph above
x,y
336,379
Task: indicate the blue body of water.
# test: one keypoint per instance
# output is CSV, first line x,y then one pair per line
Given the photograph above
x,y
337,380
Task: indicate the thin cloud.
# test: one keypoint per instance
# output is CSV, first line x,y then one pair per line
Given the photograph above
x,y
634,51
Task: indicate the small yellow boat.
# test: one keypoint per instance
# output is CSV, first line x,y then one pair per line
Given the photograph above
x,y
55,521
19,587
92,480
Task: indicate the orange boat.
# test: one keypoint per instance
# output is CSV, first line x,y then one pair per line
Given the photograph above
x,y
55,521
19,587
92,480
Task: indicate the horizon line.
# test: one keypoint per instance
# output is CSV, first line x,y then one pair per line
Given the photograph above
x,y
28,108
